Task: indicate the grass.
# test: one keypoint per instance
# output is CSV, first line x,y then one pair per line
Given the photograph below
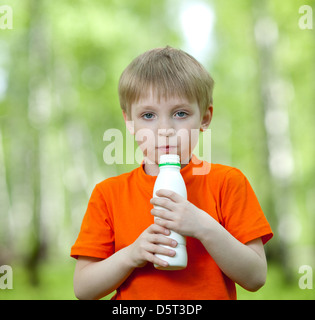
x,y
56,284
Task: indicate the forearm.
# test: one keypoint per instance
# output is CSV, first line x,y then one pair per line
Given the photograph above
x,y
240,262
97,279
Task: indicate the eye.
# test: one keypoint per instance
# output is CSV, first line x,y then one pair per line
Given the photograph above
x,y
148,116
181,114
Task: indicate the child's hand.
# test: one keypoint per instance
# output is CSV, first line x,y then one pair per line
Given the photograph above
x,y
180,215
147,244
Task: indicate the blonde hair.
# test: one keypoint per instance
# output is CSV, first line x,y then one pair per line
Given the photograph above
x,y
168,72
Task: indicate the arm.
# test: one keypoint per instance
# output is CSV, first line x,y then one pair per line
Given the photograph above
x,y
243,263
94,278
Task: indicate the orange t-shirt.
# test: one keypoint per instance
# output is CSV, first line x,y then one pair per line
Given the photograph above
x,y
119,211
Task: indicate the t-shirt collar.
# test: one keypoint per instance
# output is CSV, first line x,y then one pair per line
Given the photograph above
x,y
194,168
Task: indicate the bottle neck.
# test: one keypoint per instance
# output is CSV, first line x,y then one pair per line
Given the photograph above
x,y
169,167
169,164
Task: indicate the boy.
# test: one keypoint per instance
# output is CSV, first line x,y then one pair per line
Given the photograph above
x,y
165,94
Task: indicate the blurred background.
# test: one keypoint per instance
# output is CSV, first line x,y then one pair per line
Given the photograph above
x,y
59,69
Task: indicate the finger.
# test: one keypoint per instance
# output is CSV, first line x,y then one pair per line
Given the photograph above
x,y
162,214
175,197
155,228
150,257
166,224
159,261
164,250
163,202
160,239
159,249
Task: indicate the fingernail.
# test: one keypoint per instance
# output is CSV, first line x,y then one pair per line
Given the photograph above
x,y
174,243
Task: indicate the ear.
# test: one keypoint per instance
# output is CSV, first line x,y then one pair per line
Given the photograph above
x,y
129,123
206,119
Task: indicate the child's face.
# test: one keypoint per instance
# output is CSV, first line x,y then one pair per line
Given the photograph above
x,y
167,126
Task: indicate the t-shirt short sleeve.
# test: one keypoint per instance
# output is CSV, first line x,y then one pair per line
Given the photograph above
x,y
96,237
241,212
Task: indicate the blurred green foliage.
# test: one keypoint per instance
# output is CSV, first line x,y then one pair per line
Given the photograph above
x,y
59,69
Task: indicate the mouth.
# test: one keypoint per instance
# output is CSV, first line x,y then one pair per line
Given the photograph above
x,y
166,148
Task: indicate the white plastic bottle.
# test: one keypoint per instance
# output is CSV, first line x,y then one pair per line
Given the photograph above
x,y
170,178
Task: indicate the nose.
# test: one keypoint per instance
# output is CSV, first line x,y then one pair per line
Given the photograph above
x,y
166,132
166,129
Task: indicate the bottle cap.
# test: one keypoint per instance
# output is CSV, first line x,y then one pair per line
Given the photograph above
x,y
169,159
